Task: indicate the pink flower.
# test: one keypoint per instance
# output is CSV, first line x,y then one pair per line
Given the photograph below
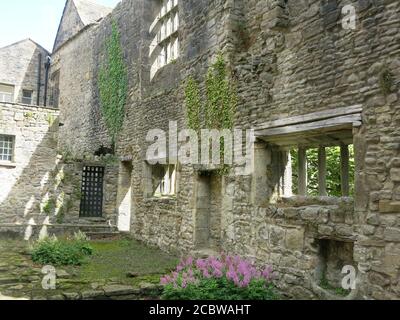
x,y
218,273
206,274
189,262
267,273
201,264
184,284
164,281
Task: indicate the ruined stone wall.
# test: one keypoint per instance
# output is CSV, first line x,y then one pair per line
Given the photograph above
x,y
300,60
24,181
288,58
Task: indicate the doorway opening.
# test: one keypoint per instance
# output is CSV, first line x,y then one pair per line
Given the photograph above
x,y
208,211
125,196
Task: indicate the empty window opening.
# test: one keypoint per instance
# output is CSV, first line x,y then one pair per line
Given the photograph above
x,y
125,196
27,96
333,255
6,93
92,192
323,171
163,180
7,148
164,48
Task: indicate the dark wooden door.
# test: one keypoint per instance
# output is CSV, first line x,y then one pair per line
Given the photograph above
x,y
92,192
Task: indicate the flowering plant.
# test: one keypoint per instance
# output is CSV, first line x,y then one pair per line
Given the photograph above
x,y
227,277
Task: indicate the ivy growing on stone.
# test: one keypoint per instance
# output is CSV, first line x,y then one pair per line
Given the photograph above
x,y
193,104
218,109
113,85
386,81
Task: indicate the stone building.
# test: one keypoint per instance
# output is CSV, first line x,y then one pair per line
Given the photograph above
x,y
305,79
28,134
24,70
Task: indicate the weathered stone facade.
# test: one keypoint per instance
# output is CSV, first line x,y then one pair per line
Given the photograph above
x,y
288,59
35,144
23,65
40,190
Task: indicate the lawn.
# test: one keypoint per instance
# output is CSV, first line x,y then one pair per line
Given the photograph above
x,y
126,261
120,261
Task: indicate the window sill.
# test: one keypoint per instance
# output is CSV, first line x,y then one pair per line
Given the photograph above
x,y
8,164
162,198
313,200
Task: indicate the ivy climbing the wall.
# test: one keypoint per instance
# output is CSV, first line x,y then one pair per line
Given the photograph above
x,y
218,109
113,85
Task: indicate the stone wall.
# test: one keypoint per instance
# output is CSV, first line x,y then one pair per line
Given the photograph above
x,y
300,60
74,62
288,58
24,180
42,187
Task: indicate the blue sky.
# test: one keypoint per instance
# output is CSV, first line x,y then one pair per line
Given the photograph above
x,y
35,19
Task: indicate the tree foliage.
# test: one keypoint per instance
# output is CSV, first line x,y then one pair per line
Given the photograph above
x,y
333,176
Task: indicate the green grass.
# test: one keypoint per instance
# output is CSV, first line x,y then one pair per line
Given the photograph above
x,y
114,259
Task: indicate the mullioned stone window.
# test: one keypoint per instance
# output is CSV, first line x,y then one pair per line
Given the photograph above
x,y
308,155
6,93
6,148
164,47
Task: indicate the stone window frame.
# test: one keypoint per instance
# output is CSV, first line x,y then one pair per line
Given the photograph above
x,y
286,184
4,93
27,99
168,184
164,48
333,127
7,149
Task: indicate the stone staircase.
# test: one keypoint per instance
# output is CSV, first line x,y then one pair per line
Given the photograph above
x,y
94,230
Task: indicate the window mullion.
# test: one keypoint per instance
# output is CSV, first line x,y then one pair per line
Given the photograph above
x,y
322,171
302,171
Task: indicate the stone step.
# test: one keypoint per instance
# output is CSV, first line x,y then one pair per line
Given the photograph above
x,y
102,235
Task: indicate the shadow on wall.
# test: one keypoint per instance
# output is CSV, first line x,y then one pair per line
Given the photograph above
x,y
27,201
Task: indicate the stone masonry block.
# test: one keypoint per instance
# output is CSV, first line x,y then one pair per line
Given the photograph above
x,y
294,239
387,206
395,174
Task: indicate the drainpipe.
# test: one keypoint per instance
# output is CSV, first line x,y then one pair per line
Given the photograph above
x,y
39,78
46,81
